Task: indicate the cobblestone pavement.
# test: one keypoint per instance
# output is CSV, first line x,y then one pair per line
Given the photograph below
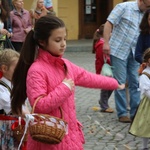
x,y
102,130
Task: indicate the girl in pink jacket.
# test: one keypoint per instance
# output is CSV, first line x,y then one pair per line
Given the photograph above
x,y
41,70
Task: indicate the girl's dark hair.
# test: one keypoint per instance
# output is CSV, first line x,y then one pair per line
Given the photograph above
x,y
97,35
144,25
42,31
4,10
146,55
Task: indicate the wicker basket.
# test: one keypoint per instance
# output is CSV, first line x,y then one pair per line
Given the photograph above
x,y
18,131
47,129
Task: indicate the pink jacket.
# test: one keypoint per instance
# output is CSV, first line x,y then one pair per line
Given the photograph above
x,y
45,76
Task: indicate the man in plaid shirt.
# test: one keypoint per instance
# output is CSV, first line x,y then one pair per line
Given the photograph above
x,y
121,31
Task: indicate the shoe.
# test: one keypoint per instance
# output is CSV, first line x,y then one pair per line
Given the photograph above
x,y
124,119
108,110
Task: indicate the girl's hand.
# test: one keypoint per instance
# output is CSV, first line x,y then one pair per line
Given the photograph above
x,y
121,86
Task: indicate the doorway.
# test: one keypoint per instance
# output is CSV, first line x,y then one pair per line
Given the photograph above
x,y
92,13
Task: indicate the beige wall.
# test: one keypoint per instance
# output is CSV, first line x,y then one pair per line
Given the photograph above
x,y
116,2
28,3
55,5
68,11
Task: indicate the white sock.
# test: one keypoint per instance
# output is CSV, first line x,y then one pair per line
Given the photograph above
x,y
145,142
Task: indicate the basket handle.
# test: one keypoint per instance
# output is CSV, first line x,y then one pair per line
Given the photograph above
x,y
36,101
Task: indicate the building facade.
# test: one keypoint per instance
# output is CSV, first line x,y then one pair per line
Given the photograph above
x,y
82,17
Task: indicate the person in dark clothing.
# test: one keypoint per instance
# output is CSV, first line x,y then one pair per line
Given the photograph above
x,y
144,38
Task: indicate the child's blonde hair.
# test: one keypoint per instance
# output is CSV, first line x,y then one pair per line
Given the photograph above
x,y
7,56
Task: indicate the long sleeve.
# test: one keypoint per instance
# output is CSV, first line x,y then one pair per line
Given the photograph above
x,y
91,80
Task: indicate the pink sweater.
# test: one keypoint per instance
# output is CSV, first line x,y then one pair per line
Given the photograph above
x,y
45,76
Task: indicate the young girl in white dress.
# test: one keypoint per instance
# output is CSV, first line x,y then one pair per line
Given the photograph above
x,y
141,122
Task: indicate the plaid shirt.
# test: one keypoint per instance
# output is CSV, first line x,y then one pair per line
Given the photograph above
x,y
125,18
